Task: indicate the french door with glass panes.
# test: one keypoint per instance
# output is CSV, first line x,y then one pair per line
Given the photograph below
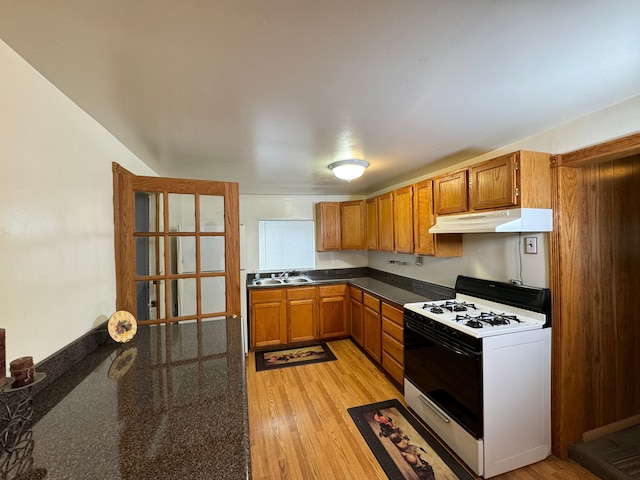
x,y
177,248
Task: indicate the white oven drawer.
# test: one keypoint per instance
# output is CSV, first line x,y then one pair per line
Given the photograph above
x,y
468,448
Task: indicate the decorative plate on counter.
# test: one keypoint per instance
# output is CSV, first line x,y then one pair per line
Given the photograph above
x,y
122,326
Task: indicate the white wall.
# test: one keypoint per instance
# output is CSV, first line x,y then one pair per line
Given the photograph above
x,y
286,207
57,275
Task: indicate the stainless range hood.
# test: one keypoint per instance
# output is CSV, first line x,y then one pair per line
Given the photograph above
x,y
514,220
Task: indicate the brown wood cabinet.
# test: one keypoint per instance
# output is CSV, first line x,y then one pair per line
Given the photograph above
x,y
372,223
372,326
393,342
332,311
425,243
327,223
353,225
519,179
356,312
302,314
268,317
403,219
450,192
385,222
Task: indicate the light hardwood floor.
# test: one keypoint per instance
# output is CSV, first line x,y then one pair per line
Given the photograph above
x,y
300,428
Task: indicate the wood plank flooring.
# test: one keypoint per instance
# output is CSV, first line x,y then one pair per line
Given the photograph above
x,y
300,428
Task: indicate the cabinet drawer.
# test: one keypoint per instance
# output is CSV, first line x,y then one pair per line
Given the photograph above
x,y
372,302
393,330
332,290
393,368
355,293
393,314
393,348
301,293
271,295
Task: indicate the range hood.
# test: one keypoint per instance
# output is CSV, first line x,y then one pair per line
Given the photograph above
x,y
513,220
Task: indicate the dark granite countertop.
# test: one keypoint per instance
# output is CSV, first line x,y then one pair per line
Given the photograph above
x,y
170,404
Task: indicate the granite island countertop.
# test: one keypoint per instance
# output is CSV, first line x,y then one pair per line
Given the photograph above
x,y
170,404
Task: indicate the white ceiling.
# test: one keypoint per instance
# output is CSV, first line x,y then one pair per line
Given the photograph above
x,y
269,92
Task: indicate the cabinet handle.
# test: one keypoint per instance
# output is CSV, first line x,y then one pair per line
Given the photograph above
x,y
434,408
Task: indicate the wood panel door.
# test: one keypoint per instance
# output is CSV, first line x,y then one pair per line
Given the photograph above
x,y
451,193
327,224
332,311
302,314
268,317
372,327
353,225
177,248
372,224
385,222
493,183
356,312
403,219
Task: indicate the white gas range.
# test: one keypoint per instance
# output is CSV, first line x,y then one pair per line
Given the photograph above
x,y
478,372
478,317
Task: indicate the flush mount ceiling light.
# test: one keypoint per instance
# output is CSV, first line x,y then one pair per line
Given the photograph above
x,y
348,169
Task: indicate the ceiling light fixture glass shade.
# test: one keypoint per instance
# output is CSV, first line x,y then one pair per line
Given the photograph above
x,y
348,169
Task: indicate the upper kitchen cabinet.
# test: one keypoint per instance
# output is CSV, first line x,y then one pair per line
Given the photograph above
x,y
353,225
425,243
403,219
385,222
327,226
372,223
520,179
450,192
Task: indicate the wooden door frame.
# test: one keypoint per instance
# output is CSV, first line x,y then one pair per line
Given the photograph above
x,y
569,344
124,183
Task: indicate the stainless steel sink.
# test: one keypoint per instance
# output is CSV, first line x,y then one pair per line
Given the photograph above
x,y
268,281
300,279
281,280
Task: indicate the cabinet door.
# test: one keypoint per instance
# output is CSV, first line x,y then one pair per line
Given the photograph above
x,y
493,183
425,243
451,193
268,318
333,311
327,223
302,314
385,222
403,220
372,223
372,327
393,342
352,225
356,315
423,218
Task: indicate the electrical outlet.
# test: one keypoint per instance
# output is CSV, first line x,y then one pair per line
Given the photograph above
x,y
530,245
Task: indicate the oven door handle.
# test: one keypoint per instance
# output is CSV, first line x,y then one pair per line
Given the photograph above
x,y
436,340
434,408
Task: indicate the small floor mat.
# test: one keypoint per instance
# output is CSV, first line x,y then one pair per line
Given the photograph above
x,y
615,456
403,447
293,357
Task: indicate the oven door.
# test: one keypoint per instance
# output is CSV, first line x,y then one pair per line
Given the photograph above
x,y
447,371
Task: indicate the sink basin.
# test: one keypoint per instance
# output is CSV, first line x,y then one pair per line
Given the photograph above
x,y
268,281
297,280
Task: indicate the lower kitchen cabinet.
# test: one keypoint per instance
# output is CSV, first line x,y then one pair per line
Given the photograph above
x,y
268,317
332,311
393,342
302,314
356,312
372,327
